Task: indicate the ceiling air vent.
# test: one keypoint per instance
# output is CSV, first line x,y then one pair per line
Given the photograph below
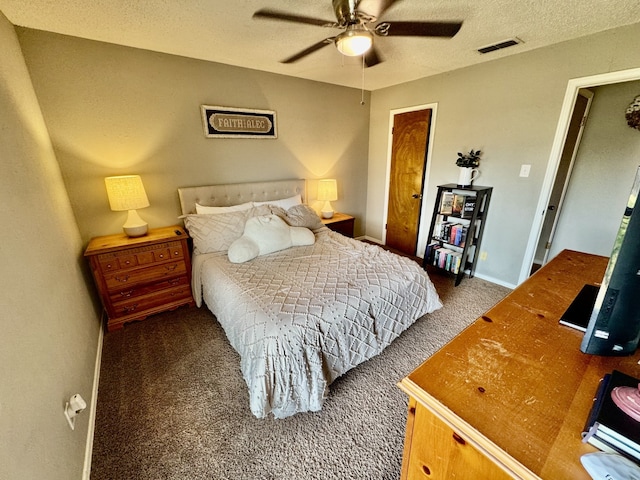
x,y
500,45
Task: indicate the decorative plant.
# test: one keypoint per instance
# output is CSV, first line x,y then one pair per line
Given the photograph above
x,y
469,160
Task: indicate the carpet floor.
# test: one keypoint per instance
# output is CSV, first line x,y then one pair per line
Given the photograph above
x,y
172,402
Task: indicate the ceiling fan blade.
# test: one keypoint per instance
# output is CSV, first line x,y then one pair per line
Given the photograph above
x,y
417,29
372,58
307,51
287,17
375,8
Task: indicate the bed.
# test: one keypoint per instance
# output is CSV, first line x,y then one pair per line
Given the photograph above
x,y
302,316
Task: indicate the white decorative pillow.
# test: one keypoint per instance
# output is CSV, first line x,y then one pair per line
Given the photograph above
x,y
267,234
215,233
204,210
285,203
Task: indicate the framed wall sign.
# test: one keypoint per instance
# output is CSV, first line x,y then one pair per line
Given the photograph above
x,y
229,122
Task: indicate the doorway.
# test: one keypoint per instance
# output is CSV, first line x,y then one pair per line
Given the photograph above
x,y
563,176
571,93
409,146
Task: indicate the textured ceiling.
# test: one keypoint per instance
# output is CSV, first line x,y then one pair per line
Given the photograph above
x,y
223,31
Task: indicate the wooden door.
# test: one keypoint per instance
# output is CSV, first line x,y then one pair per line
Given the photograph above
x,y
408,161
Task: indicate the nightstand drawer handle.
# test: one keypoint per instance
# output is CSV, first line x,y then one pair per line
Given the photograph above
x,y
171,267
128,293
131,308
161,255
122,279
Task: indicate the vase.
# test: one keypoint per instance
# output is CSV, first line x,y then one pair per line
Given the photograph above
x,y
467,175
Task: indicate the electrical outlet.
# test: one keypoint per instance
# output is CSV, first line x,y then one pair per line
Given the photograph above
x,y
524,170
483,256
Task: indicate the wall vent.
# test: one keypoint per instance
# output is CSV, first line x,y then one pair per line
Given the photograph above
x,y
500,45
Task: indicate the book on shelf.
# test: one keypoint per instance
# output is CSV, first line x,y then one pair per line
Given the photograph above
x,y
608,428
468,207
446,203
458,205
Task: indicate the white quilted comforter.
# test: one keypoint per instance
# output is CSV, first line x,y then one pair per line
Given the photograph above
x,y
301,317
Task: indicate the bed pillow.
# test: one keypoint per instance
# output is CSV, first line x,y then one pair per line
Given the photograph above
x,y
285,203
303,216
215,233
204,210
267,234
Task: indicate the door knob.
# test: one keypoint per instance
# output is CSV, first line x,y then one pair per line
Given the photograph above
x,y
416,195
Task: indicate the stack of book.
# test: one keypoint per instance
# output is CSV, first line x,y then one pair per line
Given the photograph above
x,y
608,427
444,258
451,233
457,205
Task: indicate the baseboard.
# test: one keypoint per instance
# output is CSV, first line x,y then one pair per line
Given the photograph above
x,y
370,239
86,473
495,280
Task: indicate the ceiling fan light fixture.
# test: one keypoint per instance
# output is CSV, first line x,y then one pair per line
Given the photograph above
x,y
355,41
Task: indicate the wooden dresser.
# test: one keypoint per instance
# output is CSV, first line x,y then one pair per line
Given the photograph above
x,y
509,396
140,276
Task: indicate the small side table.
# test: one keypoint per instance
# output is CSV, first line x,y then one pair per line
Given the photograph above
x,y
137,277
341,223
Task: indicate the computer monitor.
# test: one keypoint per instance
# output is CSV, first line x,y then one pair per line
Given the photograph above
x,y
613,326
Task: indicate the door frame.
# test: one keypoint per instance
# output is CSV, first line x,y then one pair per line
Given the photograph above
x,y
422,240
556,151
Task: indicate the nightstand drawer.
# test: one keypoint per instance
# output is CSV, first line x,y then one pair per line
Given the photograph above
x,y
151,300
140,256
117,280
134,291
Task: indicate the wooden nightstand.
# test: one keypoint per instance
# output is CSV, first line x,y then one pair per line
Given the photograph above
x,y
341,223
137,277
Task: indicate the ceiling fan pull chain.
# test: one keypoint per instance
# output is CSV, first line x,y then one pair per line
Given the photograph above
x,y
362,90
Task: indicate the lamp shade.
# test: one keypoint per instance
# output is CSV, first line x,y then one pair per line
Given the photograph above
x,y
126,192
354,41
328,190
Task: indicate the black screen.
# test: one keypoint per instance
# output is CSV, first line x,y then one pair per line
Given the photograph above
x,y
614,325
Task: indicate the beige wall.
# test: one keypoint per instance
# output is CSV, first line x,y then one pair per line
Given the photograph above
x,y
605,167
115,110
509,108
49,326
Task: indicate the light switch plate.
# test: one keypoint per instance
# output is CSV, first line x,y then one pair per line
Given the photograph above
x,y
524,170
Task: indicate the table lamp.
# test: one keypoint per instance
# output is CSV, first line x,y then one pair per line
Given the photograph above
x,y
126,192
327,192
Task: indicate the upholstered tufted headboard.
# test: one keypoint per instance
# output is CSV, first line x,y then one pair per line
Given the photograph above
x,y
236,193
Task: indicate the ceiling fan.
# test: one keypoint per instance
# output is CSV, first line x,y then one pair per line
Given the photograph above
x,y
356,18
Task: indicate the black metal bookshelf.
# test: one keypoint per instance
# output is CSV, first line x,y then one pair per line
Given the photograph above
x,y
456,229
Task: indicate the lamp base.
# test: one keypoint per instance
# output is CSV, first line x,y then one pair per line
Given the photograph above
x,y
327,210
135,226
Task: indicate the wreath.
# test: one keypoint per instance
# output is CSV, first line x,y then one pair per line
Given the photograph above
x,y
633,113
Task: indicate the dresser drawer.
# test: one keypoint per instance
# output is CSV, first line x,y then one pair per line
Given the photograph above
x,y
134,291
140,256
118,280
141,304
